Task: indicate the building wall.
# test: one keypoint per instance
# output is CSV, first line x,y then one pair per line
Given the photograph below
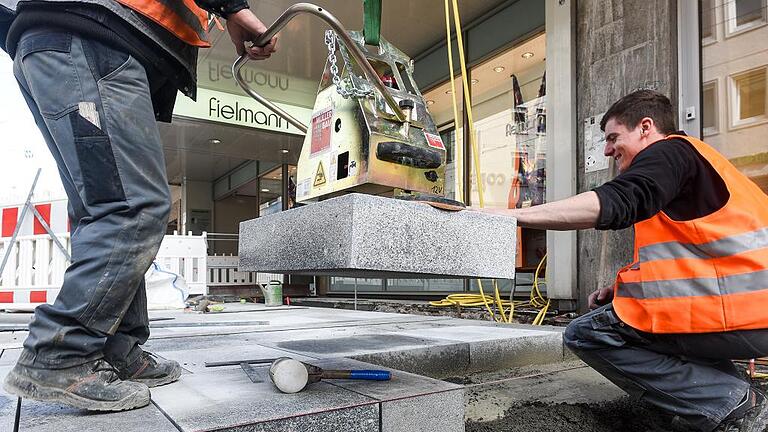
x,y
621,46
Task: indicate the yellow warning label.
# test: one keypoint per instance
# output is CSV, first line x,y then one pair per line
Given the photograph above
x,y
319,176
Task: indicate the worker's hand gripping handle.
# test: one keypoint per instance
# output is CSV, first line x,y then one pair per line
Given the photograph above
x,y
354,50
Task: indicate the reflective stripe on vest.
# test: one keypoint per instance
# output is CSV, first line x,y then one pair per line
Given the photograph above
x,y
704,275
183,18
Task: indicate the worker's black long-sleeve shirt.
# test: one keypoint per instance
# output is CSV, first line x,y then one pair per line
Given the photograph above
x,y
668,176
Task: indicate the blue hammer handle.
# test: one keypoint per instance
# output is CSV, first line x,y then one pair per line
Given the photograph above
x,y
371,375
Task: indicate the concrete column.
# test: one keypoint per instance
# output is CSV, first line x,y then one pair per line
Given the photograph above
x,y
621,46
561,145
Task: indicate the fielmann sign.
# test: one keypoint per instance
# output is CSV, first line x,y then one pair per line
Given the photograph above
x,y
238,110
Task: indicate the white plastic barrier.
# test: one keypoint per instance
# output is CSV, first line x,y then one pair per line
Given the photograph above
x,y
34,271
186,255
223,271
35,267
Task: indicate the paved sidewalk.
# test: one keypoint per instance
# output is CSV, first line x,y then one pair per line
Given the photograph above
x,y
419,350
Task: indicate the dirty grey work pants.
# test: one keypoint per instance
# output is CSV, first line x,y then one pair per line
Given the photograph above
x,y
92,104
690,375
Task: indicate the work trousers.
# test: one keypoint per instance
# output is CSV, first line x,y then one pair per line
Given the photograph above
x,y
689,375
92,104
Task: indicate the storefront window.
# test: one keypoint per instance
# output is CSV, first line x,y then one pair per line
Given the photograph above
x,y
440,104
734,90
271,192
509,105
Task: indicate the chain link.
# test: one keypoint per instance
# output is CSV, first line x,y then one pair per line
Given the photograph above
x,y
346,88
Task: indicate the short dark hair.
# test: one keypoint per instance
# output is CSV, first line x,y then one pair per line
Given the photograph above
x,y
634,107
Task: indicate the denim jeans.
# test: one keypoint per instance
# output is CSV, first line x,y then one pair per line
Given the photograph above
x,y
690,375
92,104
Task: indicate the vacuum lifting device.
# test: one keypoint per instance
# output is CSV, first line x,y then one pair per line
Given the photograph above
x,y
370,130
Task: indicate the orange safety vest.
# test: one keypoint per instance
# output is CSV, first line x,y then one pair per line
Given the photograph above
x,y
704,275
183,18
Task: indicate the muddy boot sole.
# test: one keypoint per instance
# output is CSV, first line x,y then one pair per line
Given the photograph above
x,y
27,388
157,382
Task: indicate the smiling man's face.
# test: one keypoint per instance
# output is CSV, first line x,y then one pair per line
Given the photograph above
x,y
622,144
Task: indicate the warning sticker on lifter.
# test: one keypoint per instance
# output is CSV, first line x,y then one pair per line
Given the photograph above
x,y
319,176
302,189
434,141
321,132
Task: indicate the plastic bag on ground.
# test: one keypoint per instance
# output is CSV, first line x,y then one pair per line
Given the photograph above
x,y
165,289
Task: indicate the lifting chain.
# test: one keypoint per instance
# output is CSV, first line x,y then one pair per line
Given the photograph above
x,y
346,88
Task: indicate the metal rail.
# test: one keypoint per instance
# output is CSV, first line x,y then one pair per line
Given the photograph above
x,y
280,22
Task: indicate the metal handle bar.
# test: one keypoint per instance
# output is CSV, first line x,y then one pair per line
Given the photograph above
x,y
279,23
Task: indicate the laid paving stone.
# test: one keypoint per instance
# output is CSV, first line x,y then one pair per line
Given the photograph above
x,y
47,417
442,412
438,361
10,340
9,356
401,385
227,400
409,402
194,360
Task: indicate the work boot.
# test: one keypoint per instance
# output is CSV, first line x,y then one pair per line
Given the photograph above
x,y
150,370
750,416
93,386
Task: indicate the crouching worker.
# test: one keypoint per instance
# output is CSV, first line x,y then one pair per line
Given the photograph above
x,y
696,295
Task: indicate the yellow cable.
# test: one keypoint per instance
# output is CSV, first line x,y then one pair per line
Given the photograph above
x,y
537,299
468,107
459,150
467,101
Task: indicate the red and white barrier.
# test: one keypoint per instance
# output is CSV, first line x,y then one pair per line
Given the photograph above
x,y
35,268
34,272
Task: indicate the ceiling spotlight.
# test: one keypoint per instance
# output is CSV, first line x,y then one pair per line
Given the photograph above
x,y
474,81
526,55
430,102
448,92
284,151
214,141
265,190
498,69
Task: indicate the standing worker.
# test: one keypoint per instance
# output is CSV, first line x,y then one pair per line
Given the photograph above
x,y
96,75
695,296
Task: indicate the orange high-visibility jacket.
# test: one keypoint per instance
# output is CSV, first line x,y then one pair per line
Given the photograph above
x,y
183,18
704,275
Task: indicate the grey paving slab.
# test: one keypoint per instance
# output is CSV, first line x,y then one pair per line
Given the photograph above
x,y
437,361
295,322
354,419
356,344
47,417
490,355
14,339
409,402
493,347
226,400
9,356
402,385
370,236
194,359
442,412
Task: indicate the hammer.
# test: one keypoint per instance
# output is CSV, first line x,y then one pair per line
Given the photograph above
x,y
291,376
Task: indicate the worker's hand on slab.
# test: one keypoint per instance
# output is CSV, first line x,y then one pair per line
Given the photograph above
x,y
600,297
243,26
